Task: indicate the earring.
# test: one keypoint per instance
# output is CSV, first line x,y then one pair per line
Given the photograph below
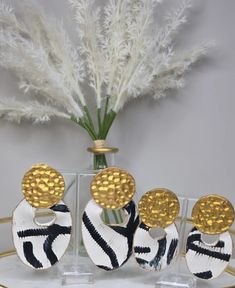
x,y
212,215
41,245
158,208
110,246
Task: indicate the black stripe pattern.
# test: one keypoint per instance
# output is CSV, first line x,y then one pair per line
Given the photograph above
x,y
155,254
97,237
35,242
207,261
109,246
29,256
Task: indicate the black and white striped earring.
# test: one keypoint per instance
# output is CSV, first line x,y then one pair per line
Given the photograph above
x,y
110,246
158,208
211,215
41,245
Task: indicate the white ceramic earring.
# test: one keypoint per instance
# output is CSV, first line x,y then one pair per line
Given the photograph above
x,y
212,215
41,245
158,208
110,246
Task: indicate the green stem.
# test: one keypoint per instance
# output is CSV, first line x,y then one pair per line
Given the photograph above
x,y
106,216
87,127
120,216
99,120
106,107
100,161
102,122
108,123
89,117
85,124
115,216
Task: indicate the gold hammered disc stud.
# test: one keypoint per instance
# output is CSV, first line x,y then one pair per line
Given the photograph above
x,y
158,208
113,188
43,186
213,214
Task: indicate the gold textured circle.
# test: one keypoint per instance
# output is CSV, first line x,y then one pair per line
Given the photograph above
x,y
213,214
113,188
158,208
43,186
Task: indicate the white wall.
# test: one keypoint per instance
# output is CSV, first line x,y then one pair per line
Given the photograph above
x,y
185,142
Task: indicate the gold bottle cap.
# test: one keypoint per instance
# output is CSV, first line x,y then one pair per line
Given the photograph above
x,y
158,208
113,188
213,214
102,150
43,186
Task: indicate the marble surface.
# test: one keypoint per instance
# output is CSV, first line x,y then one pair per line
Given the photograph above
x,y
14,274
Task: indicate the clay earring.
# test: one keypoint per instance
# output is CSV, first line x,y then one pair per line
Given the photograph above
x,y
158,208
110,246
41,245
213,215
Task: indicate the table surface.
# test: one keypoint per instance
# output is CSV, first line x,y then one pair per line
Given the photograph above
x,y
14,274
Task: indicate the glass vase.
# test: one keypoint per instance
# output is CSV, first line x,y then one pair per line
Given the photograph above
x,y
102,157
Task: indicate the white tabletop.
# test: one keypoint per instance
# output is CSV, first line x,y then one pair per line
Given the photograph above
x,y
14,274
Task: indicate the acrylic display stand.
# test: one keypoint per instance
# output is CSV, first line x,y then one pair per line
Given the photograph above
x,y
73,268
174,276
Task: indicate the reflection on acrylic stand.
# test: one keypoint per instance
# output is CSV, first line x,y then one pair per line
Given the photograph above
x,y
74,268
175,276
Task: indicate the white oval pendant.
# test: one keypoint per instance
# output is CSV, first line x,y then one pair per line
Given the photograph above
x,y
207,261
108,246
155,254
41,246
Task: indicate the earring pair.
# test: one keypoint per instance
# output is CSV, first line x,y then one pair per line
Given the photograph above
x,y
211,215
41,245
110,246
